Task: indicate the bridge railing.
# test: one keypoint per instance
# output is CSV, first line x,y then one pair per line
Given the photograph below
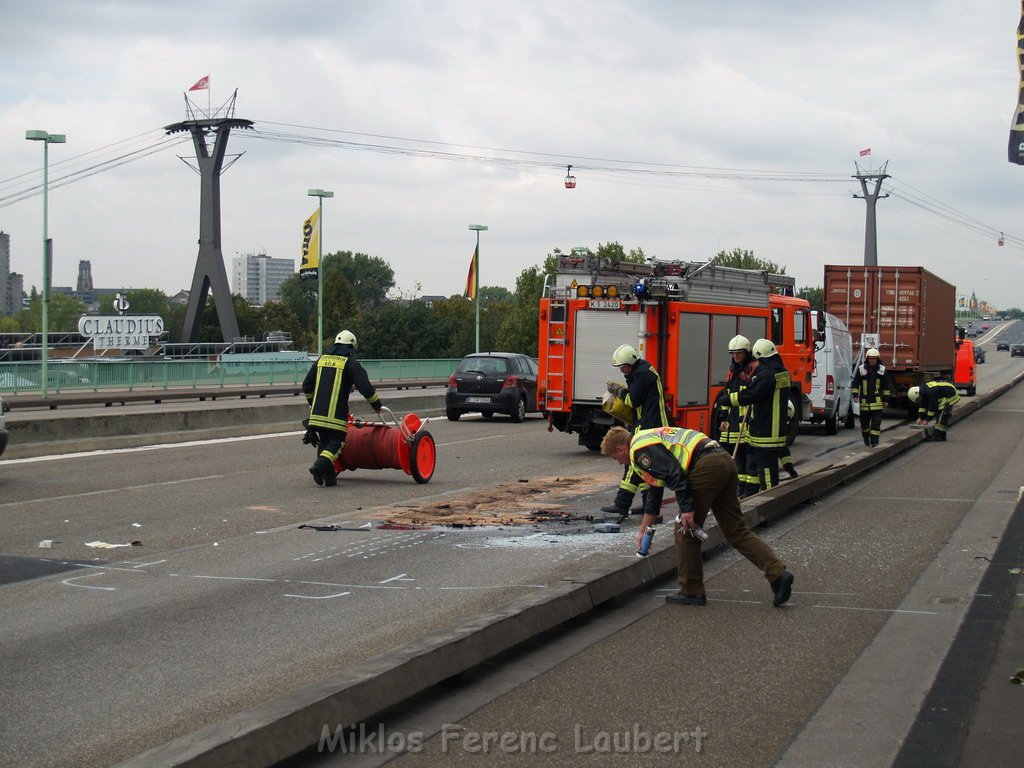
x,y
98,375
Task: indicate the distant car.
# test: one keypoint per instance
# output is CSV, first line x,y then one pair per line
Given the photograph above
x,y
492,382
1017,350
4,408
986,317
979,355
1002,345
984,326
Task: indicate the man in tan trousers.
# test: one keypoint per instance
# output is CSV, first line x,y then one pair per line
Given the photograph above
x,y
703,477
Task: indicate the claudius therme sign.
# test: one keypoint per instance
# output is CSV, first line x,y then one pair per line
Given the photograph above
x,y
121,331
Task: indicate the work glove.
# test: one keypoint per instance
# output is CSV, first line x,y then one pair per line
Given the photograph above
x,y
378,405
616,389
311,437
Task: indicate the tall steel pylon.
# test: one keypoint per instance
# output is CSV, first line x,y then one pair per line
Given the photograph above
x,y
871,197
210,273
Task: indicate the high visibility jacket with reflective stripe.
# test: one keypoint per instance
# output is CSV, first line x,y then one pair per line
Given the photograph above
x,y
327,387
739,377
871,387
768,397
681,443
938,396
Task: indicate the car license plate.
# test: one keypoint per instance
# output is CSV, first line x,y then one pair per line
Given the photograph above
x,y
604,304
478,400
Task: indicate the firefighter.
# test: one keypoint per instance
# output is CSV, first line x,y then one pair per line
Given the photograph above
x,y
703,477
767,395
327,387
872,392
732,427
935,398
645,394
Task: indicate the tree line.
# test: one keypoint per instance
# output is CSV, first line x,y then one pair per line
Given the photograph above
x,y
359,294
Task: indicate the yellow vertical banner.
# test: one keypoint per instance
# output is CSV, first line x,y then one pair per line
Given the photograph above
x,y
310,264
1016,148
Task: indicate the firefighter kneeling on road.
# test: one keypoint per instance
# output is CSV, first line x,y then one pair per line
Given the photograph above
x,y
327,387
703,477
935,398
767,397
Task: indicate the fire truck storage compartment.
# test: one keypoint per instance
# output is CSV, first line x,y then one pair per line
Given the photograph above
x,y
598,333
696,331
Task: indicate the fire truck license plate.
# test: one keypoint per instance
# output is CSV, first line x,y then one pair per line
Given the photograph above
x,y
604,304
477,400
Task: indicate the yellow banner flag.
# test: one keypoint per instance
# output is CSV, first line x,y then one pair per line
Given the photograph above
x,y
310,264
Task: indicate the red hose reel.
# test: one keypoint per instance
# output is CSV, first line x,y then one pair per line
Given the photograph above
x,y
403,445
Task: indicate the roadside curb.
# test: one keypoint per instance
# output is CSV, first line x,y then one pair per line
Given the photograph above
x,y
293,722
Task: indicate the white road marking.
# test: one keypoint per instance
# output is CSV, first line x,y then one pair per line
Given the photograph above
x,y
67,497
882,610
86,586
320,597
399,577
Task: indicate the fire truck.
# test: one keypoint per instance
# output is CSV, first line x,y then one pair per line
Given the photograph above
x,y
680,317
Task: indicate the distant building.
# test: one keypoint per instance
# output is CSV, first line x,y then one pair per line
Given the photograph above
x,y
258,278
7,299
85,276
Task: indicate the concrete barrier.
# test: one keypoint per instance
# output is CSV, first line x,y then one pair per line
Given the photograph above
x,y
34,433
284,726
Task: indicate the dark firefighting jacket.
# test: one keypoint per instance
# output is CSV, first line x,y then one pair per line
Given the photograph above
x,y
937,396
646,396
738,378
767,394
328,384
869,384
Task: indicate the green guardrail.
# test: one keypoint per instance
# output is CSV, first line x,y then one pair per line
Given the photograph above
x,y
96,375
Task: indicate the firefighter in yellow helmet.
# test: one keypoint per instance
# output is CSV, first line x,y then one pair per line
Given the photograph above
x,y
767,396
645,394
872,392
703,477
935,400
327,387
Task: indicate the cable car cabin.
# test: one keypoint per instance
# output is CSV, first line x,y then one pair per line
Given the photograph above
x,y
680,316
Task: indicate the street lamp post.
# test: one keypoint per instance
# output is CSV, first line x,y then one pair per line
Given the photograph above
x,y
321,194
47,139
478,228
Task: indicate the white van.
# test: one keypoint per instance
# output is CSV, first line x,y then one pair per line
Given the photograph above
x,y
831,395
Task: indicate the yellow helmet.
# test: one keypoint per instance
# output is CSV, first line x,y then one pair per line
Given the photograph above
x,y
914,394
345,337
764,348
624,355
739,344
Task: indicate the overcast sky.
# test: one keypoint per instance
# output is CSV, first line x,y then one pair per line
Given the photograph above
x,y
637,96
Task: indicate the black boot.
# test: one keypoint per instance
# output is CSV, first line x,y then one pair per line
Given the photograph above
x,y
323,471
791,470
621,504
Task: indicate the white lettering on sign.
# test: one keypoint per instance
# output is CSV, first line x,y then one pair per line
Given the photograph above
x,y
122,331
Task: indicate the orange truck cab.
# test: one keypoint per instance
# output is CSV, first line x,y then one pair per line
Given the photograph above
x,y
965,375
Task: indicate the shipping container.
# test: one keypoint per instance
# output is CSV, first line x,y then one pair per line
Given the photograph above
x,y
908,313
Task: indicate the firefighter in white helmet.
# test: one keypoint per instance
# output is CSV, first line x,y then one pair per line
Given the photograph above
x,y
872,392
644,393
730,418
327,387
767,395
935,400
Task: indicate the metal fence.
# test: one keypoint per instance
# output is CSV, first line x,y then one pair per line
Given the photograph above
x,y
96,375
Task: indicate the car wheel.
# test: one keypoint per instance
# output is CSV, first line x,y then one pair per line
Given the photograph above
x,y
519,414
452,414
849,421
487,414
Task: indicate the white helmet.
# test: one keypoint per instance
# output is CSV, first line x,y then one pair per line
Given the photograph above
x,y
914,394
764,348
345,337
872,353
624,355
739,344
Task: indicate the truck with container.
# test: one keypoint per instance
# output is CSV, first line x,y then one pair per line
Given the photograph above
x,y
907,313
680,316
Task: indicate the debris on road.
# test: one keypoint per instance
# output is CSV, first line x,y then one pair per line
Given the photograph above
x,y
105,545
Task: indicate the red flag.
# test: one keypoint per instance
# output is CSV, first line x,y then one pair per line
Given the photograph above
x,y
471,278
202,84
865,152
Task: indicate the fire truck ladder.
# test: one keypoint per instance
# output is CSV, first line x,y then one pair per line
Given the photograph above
x,y
556,351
